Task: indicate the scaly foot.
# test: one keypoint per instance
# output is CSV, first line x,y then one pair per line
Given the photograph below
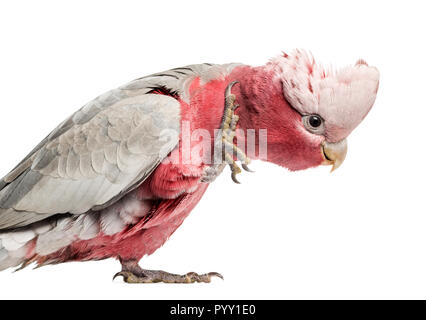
x,y
154,276
225,149
133,273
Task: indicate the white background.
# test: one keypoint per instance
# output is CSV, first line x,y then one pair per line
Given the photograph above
x,y
357,233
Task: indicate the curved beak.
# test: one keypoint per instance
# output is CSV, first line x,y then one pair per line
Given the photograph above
x,y
334,153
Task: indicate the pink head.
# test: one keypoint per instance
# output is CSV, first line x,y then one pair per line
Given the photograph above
x,y
309,110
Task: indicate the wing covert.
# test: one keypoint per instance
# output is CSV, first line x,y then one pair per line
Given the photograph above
x,y
93,158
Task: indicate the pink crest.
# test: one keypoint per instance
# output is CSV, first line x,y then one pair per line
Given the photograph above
x,y
342,98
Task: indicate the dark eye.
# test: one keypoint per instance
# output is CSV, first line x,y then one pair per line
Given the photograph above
x,y
313,123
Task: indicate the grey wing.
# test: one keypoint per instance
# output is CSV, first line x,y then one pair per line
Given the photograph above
x,y
93,158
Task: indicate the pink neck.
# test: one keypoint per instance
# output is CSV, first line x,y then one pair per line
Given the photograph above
x,y
263,106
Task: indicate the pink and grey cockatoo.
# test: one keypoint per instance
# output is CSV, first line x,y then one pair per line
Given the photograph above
x,y
102,184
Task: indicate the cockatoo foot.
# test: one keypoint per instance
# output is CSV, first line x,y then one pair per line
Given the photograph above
x,y
154,276
133,273
224,143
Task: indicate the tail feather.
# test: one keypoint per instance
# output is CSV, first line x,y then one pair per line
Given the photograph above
x,y
13,258
15,246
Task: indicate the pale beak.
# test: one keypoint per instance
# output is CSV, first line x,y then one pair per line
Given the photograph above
x,y
334,153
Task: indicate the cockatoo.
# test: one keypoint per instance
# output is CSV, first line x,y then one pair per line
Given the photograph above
x,y
120,175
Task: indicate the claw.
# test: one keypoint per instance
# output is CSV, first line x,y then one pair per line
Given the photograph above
x,y
234,168
215,274
229,87
121,273
246,168
234,178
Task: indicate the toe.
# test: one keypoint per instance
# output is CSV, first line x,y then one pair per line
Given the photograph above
x,y
206,278
129,277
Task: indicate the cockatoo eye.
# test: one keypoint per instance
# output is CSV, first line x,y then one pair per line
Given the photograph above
x,y
313,123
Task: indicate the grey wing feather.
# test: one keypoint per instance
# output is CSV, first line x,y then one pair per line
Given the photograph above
x,y
94,157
